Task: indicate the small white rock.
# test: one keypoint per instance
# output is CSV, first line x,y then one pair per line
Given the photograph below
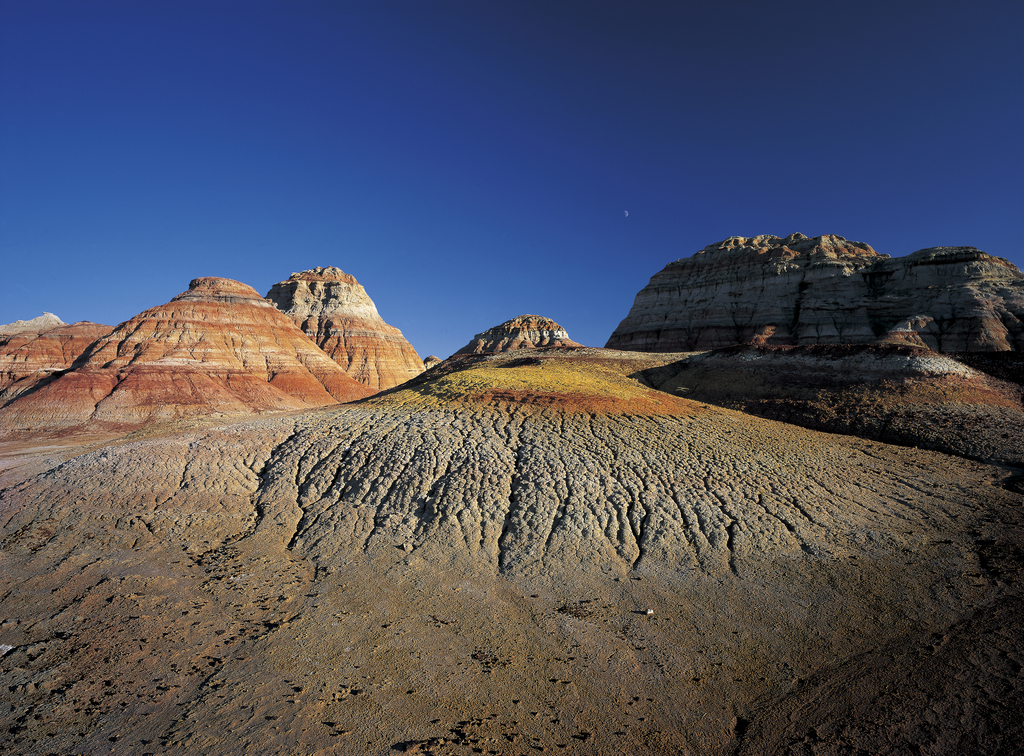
x,y
650,611
5,649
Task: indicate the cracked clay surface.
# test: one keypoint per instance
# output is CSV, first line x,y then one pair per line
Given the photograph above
x,y
459,577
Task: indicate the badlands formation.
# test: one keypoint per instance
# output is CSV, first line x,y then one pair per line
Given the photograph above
x,y
546,549
521,332
827,290
30,356
218,348
335,312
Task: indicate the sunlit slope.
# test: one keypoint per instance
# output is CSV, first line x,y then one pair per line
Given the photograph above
x,y
569,381
449,560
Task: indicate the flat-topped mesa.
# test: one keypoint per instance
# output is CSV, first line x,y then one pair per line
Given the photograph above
x,y
827,290
217,348
521,332
333,310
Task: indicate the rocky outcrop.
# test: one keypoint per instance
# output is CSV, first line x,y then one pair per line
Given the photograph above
x,y
44,322
335,312
522,332
827,290
217,348
429,362
28,358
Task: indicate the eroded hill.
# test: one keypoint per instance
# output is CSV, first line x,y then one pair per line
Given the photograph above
x,y
465,564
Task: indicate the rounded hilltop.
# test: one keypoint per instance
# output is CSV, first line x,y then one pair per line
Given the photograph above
x,y
574,381
329,273
217,348
521,332
221,290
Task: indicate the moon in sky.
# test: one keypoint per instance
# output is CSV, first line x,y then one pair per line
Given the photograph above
x,y
626,212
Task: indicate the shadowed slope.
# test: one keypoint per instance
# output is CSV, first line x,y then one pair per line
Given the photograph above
x,y
827,290
896,394
28,358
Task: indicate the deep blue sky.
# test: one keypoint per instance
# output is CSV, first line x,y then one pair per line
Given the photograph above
x,y
472,161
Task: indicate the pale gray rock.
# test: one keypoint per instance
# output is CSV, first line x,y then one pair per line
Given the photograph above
x,y
44,322
337,314
827,290
521,332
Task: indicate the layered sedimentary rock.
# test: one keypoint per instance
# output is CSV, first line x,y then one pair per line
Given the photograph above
x,y
430,361
462,565
28,358
217,348
521,332
335,312
827,290
44,322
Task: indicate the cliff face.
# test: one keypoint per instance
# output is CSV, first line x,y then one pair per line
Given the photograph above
x,y
29,357
217,348
335,312
521,332
827,290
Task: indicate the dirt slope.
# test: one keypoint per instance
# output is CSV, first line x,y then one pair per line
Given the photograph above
x,y
450,568
897,394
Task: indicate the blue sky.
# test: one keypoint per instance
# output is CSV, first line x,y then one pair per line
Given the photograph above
x,y
473,161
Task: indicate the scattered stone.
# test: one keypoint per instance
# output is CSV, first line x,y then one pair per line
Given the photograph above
x,y
814,591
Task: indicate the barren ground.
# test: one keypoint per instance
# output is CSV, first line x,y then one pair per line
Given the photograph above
x,y
459,568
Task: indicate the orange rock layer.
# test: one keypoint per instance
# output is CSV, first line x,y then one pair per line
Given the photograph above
x,y
336,313
29,358
217,348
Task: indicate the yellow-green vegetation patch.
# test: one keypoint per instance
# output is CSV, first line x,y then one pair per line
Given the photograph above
x,y
568,384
